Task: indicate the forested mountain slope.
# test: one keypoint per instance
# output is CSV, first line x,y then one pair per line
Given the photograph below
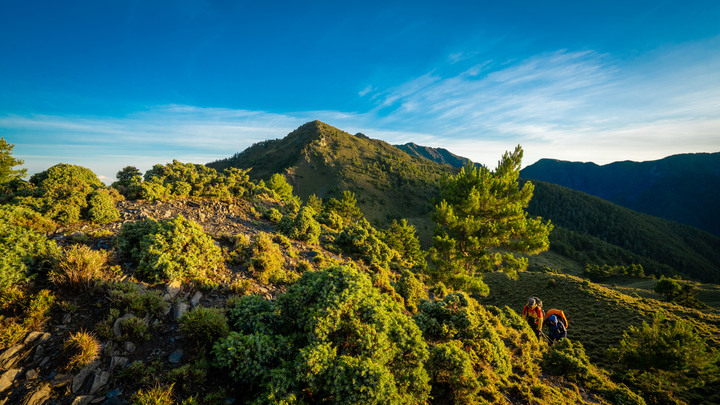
x,y
594,230
683,188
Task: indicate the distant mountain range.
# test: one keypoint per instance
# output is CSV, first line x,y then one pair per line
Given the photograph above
x,y
683,188
393,182
438,155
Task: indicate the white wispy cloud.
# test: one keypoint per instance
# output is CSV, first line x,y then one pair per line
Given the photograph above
x,y
157,135
572,105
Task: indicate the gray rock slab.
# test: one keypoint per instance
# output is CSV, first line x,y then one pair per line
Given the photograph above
x,y
180,309
172,289
118,361
10,356
39,396
80,377
101,379
7,378
195,300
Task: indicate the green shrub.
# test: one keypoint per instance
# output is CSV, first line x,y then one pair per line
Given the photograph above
x,y
154,190
252,314
568,359
274,215
411,289
67,194
26,218
129,297
129,182
102,207
671,355
204,326
250,358
331,337
190,377
135,328
266,260
24,252
303,227
175,249
466,336
178,179
363,240
331,220
452,375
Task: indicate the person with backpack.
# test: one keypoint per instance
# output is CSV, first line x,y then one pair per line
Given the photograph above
x,y
557,312
556,329
533,315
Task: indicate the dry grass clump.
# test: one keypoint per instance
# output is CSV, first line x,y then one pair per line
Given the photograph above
x,y
84,347
79,267
157,395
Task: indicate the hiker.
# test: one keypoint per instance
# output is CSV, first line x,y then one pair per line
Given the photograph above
x,y
556,329
560,315
557,312
533,316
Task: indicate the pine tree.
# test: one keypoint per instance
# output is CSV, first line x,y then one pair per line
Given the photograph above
x,y
481,220
7,162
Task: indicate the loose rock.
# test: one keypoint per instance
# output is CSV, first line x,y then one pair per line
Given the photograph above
x,y
7,378
39,396
176,356
101,380
79,379
195,300
180,309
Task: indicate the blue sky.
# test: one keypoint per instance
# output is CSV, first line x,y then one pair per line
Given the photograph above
x,y
105,84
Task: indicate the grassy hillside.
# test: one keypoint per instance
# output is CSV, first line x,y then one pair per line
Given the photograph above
x,y
598,314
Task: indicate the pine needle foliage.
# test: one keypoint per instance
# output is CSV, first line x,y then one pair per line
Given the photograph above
x,y
481,214
7,162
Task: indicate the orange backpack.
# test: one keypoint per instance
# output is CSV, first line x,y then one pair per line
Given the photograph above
x,y
559,314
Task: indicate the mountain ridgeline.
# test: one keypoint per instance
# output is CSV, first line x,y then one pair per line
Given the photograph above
x,y
392,182
322,160
683,188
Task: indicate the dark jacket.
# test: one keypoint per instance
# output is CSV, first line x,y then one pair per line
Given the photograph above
x,y
556,328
